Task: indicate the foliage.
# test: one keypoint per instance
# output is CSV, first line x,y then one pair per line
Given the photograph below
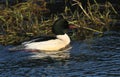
x,y
24,20
95,18
21,20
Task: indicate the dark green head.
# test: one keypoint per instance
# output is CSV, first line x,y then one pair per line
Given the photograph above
x,y
60,25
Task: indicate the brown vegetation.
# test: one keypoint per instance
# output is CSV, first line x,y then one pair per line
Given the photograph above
x,y
23,20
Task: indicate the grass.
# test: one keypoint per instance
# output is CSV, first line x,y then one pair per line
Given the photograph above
x,y
95,18
25,20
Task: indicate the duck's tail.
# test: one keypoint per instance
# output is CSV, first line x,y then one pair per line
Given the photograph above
x,y
17,48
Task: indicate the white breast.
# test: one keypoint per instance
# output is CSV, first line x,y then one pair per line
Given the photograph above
x,y
50,45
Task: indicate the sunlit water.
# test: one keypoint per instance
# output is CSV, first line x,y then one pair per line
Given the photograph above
x,y
99,57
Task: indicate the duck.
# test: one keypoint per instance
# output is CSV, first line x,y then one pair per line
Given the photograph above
x,y
60,41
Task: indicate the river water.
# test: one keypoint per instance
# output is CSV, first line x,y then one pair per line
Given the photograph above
x,y
98,57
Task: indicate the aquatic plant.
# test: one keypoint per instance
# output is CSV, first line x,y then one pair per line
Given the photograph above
x,y
95,18
21,20
24,20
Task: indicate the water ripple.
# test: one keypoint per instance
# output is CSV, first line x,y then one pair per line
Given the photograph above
x,y
99,57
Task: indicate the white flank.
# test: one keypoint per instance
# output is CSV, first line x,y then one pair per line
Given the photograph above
x,y
51,45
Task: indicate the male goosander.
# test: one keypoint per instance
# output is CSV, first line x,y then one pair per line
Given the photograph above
x,y
61,41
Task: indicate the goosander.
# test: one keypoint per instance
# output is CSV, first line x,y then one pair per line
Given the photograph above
x,y
57,43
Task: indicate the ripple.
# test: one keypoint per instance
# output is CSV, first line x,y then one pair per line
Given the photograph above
x,y
99,57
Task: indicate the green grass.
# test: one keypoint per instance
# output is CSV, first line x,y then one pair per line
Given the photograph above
x,y
25,20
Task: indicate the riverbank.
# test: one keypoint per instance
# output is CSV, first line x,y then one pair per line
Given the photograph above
x,y
29,19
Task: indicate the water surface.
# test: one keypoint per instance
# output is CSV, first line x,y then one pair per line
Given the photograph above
x,y
98,57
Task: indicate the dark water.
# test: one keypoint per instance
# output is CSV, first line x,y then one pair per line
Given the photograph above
x,y
99,57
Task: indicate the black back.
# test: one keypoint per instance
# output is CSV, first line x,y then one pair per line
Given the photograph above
x,y
39,39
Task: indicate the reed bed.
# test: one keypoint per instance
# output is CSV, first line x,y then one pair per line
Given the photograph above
x,y
25,20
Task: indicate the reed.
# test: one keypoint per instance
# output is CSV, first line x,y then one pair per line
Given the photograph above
x,y
95,18
25,20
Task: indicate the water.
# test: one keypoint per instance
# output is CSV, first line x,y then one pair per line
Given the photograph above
x,y
99,57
